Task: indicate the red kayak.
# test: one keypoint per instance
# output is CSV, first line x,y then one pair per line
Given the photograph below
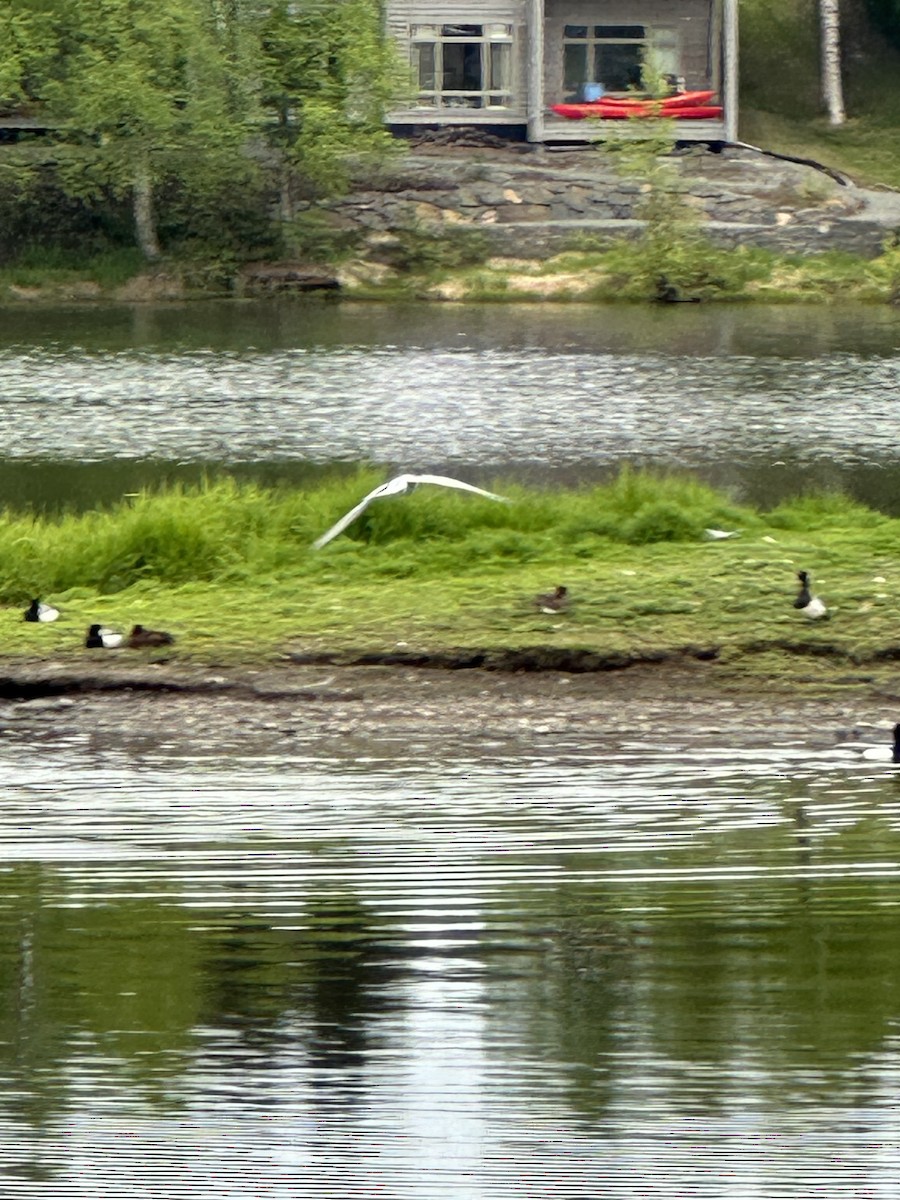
x,y
612,112
682,100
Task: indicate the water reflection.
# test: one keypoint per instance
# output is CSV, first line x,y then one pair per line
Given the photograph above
x,y
794,331
481,976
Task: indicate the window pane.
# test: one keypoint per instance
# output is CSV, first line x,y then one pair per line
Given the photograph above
x,y
462,67
461,31
425,31
423,64
619,31
499,67
498,31
575,68
618,68
666,58
576,31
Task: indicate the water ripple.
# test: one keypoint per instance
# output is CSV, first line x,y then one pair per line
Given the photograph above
x,y
657,972
426,407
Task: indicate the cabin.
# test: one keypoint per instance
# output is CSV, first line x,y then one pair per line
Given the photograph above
x,y
504,64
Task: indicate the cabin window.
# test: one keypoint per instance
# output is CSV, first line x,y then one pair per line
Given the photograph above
x,y
611,55
463,66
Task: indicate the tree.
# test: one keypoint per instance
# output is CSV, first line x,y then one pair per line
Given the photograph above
x,y
141,91
327,74
199,93
28,39
885,15
832,89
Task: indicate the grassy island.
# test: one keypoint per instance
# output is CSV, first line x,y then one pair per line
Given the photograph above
x,y
450,578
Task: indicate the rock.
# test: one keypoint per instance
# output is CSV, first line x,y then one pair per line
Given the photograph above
x,y
508,214
742,196
266,279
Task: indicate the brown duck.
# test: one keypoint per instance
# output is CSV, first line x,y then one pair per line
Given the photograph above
x,y
553,602
140,637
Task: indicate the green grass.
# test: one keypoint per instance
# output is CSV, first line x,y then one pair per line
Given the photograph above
x,y
866,148
781,109
41,266
628,271
230,570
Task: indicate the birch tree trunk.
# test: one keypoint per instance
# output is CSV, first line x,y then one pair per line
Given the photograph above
x,y
832,88
144,218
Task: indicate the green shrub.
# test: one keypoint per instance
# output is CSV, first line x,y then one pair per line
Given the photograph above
x,y
661,521
821,510
424,251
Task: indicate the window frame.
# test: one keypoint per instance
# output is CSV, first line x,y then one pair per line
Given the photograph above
x,y
443,99
590,42
662,40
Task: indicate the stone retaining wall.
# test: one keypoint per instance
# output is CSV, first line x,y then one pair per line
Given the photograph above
x,y
534,201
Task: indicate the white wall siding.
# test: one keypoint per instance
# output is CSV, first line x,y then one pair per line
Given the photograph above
x,y
471,12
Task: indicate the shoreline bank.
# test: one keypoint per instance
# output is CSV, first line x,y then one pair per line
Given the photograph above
x,y
500,224
275,707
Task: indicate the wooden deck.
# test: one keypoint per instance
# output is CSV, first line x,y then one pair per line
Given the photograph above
x,y
558,129
592,129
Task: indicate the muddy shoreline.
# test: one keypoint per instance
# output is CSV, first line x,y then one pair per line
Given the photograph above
x,y
276,708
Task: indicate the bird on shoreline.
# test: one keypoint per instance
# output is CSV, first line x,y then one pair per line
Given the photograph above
x,y
401,485
553,602
811,606
668,293
38,611
101,638
141,637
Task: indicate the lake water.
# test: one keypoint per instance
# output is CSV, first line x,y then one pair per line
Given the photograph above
x,y
593,971
763,400
612,970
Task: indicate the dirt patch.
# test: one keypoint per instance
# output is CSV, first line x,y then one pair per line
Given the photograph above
x,y
275,708
554,285
151,286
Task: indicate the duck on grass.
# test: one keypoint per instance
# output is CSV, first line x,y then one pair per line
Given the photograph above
x,y
99,637
38,611
811,606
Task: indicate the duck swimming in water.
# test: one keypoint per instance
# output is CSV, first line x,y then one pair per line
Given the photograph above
x,y
811,606
37,611
879,752
553,602
101,638
141,637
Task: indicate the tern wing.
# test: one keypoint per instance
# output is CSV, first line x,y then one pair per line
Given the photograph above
x,y
348,518
446,481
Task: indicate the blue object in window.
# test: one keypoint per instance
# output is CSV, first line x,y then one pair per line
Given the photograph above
x,y
591,92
